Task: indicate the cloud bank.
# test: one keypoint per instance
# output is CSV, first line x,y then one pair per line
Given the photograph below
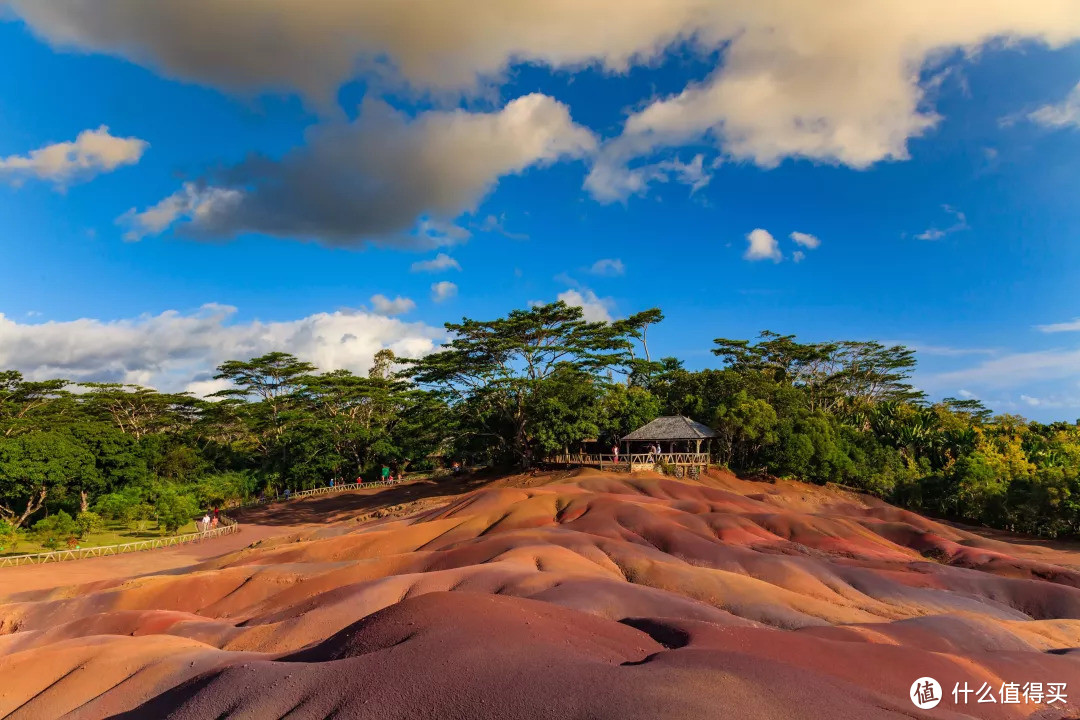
x,y
175,351
370,180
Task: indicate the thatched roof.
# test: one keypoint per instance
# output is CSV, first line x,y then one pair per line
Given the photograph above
x,y
675,427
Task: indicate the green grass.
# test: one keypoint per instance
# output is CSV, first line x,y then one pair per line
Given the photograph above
x,y
112,534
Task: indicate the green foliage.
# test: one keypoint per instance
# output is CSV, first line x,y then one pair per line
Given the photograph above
x,y
56,530
174,508
88,522
511,391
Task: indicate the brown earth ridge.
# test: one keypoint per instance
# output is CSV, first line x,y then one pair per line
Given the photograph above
x,y
569,595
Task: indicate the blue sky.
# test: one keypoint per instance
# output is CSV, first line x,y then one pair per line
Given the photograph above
x,y
249,196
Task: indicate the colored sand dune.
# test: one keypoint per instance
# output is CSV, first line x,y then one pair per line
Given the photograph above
x,y
562,596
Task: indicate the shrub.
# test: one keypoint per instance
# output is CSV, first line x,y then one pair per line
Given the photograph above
x,y
174,509
9,536
54,531
88,522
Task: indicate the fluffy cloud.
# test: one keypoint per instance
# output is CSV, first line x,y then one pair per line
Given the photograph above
x,y
1064,114
594,309
761,245
439,263
91,153
177,351
806,240
442,291
608,267
372,179
842,82
398,306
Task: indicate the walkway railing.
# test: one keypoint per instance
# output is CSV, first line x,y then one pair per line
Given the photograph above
x,y
631,459
228,527
325,490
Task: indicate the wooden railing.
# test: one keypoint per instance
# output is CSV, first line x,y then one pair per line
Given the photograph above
x,y
623,461
228,527
325,490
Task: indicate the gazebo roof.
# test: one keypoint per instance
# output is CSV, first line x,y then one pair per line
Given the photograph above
x,y
674,427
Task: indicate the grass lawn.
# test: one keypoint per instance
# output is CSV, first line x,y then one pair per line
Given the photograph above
x,y
112,534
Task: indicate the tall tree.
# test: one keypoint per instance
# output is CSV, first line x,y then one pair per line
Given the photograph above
x,y
491,370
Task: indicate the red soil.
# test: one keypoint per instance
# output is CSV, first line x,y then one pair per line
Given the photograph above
x,y
581,595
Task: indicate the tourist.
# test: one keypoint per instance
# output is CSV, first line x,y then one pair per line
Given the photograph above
x,y
386,473
287,493
331,482
205,524
214,521
615,451
359,480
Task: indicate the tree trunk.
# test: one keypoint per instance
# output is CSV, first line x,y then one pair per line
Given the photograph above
x,y
84,501
32,506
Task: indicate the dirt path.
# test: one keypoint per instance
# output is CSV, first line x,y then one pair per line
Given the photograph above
x,y
72,572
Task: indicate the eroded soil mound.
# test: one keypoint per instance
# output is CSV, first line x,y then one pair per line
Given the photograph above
x,y
564,595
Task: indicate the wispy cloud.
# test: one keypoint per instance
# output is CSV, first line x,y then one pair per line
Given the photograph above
x,y
439,263
1061,115
608,267
936,233
806,240
1070,326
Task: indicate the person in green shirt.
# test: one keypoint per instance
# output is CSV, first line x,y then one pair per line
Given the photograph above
x,y
386,473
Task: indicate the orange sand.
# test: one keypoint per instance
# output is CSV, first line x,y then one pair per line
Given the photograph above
x,y
585,594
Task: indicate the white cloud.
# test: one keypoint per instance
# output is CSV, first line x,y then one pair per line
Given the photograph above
x,y
92,153
762,246
1013,369
495,224
176,351
1070,326
444,290
934,233
1064,114
842,82
198,204
439,263
806,240
798,256
613,179
594,309
608,267
373,179
398,306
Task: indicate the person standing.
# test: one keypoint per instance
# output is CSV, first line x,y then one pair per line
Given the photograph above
x,y
386,473
205,524
615,452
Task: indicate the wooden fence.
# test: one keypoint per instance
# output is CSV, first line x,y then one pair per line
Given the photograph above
x,y
326,490
631,459
228,527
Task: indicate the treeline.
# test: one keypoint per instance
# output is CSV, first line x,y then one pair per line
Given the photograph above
x,y
511,391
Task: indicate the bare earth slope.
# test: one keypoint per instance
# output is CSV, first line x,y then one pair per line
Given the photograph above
x,y
581,595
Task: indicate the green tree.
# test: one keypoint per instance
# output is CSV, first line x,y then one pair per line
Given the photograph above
x,y
35,466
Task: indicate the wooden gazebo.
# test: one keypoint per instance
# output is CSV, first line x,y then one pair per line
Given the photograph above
x,y
679,439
